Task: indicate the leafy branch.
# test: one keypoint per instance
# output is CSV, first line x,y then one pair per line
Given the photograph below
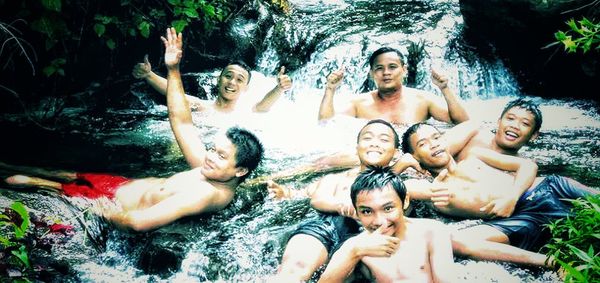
x,y
584,34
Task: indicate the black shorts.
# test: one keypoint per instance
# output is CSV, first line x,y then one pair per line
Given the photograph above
x,y
536,208
330,229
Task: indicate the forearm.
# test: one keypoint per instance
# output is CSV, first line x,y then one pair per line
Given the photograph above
x,y
157,82
525,176
418,189
177,104
456,110
342,264
267,102
326,110
330,205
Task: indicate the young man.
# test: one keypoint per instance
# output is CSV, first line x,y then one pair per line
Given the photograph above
x,y
209,186
392,101
232,82
393,247
315,240
482,185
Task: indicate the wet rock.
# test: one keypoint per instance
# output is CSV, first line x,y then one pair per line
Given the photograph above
x,y
163,253
518,30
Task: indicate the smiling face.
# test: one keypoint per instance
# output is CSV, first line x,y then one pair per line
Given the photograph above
x,y
381,207
515,129
388,72
429,147
376,146
220,161
232,82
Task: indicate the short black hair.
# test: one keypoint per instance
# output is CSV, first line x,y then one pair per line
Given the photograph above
x,y
377,178
249,149
528,105
406,146
243,65
386,123
385,50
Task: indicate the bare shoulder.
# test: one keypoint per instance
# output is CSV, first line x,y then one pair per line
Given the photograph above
x,y
362,98
429,225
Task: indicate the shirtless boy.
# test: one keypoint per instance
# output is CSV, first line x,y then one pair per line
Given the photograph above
x,y
392,101
315,240
393,248
209,186
232,82
500,188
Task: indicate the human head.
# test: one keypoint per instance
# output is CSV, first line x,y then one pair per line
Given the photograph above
x,y
425,143
249,149
379,197
233,80
519,123
387,68
232,155
385,50
377,143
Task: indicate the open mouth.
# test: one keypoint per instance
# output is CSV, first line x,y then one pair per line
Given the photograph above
x,y
229,89
510,135
373,154
438,153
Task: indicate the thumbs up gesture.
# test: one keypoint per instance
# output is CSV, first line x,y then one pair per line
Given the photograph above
x,y
142,70
284,82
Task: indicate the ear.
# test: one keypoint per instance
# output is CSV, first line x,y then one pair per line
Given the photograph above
x,y
241,171
534,136
406,202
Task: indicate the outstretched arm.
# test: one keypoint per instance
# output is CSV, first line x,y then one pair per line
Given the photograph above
x,y
452,111
144,71
180,116
324,196
326,109
284,83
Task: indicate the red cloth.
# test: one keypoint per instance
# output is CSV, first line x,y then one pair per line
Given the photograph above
x,y
90,185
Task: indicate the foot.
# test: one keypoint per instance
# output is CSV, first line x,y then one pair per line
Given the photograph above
x,y
18,180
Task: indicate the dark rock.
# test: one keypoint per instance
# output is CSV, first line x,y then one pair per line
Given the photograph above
x,y
518,30
163,253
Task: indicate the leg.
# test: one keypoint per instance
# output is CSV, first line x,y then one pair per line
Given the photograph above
x,y
488,243
22,180
62,175
303,255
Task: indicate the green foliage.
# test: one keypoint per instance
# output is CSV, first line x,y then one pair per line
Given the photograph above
x,y
55,67
575,242
583,34
20,226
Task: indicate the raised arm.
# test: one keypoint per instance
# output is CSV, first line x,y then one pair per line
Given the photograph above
x,y
441,257
452,111
326,109
158,83
460,135
180,116
525,173
284,83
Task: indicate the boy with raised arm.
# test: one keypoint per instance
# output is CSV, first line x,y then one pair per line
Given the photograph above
x,y
149,203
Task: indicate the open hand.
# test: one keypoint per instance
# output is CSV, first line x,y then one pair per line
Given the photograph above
x,y
277,191
173,48
501,207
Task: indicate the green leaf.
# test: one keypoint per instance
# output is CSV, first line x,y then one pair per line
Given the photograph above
x,y
560,36
191,12
61,72
179,25
174,2
6,242
132,32
144,28
53,5
111,44
20,209
571,271
49,70
43,25
209,10
21,254
99,29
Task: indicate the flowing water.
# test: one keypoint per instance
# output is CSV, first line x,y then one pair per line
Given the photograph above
x,y
245,241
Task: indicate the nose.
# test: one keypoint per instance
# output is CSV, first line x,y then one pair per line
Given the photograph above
x,y
380,220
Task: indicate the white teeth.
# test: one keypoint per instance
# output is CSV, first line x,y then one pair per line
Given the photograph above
x,y
438,152
511,134
373,154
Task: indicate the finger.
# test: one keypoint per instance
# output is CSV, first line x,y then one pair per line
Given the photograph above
x,y
146,59
488,207
281,71
441,203
379,230
442,175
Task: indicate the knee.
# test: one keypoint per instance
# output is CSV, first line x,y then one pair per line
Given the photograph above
x,y
294,269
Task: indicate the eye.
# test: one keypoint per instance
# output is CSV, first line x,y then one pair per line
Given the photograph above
x,y
222,156
240,80
364,211
388,208
210,148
